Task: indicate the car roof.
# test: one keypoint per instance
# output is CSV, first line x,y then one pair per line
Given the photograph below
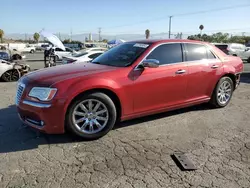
x,y
152,41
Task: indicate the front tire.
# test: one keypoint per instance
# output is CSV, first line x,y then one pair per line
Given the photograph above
x,y
91,116
222,93
11,75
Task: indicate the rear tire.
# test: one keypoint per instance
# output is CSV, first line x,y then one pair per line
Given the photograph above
x,y
95,121
222,93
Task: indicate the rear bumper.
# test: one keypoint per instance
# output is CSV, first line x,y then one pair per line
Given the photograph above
x,y
47,118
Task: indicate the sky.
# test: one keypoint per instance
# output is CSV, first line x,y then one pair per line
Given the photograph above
x,y
123,16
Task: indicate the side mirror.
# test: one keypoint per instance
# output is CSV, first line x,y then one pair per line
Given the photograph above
x,y
151,63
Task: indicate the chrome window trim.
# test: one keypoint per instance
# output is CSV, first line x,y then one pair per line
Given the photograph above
x,y
36,104
183,51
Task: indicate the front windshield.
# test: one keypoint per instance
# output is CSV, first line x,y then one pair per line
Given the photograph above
x,y
122,55
80,54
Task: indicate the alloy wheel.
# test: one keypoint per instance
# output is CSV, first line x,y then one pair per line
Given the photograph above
x,y
224,92
90,116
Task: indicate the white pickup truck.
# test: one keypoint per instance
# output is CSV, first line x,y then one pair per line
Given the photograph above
x,y
23,47
29,48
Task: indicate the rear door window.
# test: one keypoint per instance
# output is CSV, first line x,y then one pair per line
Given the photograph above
x,y
196,52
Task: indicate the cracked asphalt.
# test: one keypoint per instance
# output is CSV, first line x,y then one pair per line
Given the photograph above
x,y
136,153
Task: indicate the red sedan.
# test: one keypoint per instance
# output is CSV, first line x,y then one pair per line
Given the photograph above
x,y
134,79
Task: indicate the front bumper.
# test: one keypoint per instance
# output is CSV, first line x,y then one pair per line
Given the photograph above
x,y
47,118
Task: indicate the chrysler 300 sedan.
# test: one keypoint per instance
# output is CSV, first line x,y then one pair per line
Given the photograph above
x,y
134,79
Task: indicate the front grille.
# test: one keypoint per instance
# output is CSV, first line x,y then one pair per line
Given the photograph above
x,y
19,92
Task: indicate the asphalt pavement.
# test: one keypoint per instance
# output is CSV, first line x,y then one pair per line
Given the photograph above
x,y
136,153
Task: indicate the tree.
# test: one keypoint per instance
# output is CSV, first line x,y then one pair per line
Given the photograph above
x,y
36,37
105,40
201,27
147,33
1,35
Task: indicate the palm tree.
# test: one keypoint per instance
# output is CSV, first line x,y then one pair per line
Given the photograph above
x,y
36,37
147,33
1,35
201,28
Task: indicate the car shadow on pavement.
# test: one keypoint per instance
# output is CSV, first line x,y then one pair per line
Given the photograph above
x,y
245,77
15,136
163,115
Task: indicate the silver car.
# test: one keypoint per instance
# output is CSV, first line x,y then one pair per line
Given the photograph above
x,y
235,49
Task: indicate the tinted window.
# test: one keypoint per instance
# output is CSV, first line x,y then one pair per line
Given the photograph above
x,y
94,55
222,47
196,52
167,53
58,50
68,50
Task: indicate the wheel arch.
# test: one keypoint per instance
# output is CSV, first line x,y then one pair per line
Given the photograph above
x,y
230,75
113,96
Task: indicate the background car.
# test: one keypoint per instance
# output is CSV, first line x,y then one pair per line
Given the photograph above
x,y
82,57
10,55
12,71
235,49
94,49
59,53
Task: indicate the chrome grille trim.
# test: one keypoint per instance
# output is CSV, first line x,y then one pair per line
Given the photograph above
x,y
19,92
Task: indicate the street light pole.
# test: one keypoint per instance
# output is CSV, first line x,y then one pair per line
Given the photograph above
x,y
169,27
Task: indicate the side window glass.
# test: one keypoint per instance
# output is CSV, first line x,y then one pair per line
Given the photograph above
x,y
167,53
210,55
196,52
94,55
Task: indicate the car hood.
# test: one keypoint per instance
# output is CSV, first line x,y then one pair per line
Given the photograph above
x,y
49,76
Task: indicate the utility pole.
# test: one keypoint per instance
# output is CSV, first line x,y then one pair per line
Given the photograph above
x,y
70,34
99,31
169,32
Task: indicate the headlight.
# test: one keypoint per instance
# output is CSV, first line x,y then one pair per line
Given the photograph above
x,y
43,93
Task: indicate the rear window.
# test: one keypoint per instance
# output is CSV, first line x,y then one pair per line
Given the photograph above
x,y
222,47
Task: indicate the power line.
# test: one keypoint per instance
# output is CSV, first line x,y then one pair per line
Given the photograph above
x,y
213,10
99,31
184,14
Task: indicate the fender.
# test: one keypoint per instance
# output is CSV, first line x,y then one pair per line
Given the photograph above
x,y
82,85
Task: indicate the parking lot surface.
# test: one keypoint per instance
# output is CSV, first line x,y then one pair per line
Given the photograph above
x,y
136,153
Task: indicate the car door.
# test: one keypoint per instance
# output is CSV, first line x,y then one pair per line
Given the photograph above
x,y
204,70
164,86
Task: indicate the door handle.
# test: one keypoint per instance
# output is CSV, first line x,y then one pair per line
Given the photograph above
x,y
180,71
214,66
